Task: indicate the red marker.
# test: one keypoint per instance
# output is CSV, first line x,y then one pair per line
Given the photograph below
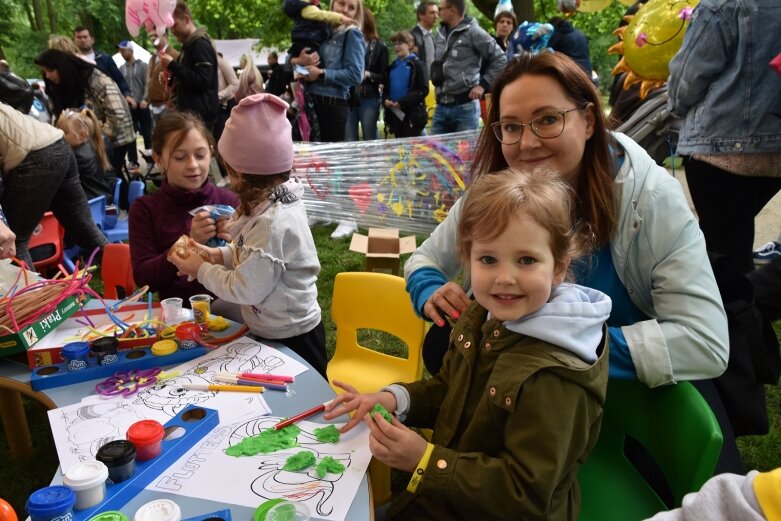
x,y
301,416
278,378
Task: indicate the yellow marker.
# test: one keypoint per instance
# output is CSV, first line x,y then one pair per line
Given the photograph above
x,y
216,387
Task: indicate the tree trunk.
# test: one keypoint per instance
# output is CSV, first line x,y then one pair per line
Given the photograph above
x,y
30,17
524,9
38,15
52,16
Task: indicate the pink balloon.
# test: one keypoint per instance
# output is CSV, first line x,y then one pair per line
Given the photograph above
x,y
154,15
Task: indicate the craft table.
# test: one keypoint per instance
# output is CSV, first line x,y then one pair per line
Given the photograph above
x,y
311,389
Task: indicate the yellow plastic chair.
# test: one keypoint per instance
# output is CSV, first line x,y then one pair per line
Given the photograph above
x,y
678,429
367,300
376,301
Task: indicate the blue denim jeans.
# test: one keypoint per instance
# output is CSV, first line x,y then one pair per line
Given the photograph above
x,y
455,118
48,179
367,114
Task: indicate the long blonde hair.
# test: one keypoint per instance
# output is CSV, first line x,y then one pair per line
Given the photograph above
x,y
63,43
89,120
251,81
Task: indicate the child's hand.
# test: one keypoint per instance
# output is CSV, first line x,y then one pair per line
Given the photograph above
x,y
203,227
395,444
186,266
352,400
346,20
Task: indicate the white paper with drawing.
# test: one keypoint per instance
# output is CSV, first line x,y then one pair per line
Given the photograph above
x,y
207,472
81,429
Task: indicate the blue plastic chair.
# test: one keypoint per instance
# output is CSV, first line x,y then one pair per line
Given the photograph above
x,y
135,191
111,218
97,207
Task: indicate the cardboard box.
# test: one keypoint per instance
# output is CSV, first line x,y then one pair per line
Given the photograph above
x,y
28,336
382,248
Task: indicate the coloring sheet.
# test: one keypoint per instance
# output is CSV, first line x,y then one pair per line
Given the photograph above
x,y
81,429
207,472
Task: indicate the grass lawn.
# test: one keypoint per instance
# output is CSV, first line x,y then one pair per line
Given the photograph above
x,y
20,479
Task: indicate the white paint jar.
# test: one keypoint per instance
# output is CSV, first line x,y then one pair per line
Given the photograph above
x,y
159,510
88,480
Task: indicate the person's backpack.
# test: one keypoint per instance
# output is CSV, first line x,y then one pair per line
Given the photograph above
x,y
16,92
754,358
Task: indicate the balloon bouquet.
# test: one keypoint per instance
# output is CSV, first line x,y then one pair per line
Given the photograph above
x,y
154,15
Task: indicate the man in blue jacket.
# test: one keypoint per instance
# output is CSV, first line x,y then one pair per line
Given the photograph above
x,y
85,42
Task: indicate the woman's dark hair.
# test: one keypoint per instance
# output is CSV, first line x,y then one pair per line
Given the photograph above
x,y
74,78
369,25
595,205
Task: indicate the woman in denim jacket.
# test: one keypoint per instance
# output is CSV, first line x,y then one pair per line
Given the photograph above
x,y
337,67
722,84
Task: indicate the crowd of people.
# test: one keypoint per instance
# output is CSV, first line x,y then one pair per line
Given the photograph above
x,y
572,258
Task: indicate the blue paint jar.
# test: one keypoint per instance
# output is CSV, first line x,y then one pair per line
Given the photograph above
x,y
49,503
120,458
76,355
105,350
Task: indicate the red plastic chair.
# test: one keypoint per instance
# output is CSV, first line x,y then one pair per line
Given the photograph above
x,y
47,239
117,271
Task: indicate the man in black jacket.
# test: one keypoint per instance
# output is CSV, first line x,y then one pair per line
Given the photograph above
x,y
194,70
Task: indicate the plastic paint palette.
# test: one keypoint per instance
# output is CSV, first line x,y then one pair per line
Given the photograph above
x,y
196,421
58,375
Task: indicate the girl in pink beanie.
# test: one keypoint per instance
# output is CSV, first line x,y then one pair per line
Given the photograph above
x,y
270,268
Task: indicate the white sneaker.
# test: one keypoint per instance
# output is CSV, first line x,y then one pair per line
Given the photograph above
x,y
345,229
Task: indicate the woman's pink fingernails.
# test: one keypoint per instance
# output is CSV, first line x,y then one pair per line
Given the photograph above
x,y
455,314
440,323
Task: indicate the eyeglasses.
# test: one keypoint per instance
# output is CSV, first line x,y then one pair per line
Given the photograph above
x,y
545,126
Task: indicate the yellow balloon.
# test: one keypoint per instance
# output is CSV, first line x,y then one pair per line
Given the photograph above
x,y
654,36
592,6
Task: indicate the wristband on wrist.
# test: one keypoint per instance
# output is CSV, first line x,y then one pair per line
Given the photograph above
x,y
420,470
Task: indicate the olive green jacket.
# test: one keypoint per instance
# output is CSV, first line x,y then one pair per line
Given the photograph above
x,y
513,417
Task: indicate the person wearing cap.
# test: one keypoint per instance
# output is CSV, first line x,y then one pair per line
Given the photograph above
x,y
270,268
135,73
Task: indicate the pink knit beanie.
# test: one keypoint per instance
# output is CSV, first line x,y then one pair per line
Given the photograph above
x,y
257,138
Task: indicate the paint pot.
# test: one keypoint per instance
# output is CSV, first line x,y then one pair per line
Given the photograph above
x,y
159,510
105,350
187,335
76,355
147,436
88,480
164,347
109,515
119,456
288,511
50,503
201,306
172,309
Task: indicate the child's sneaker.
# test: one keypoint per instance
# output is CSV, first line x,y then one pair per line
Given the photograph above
x,y
767,253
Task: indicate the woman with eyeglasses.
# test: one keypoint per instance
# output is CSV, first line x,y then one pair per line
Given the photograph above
x,y
668,323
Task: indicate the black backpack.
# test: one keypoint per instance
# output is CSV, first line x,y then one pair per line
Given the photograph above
x,y
16,92
754,358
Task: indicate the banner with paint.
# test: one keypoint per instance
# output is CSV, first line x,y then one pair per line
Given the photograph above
x,y
409,183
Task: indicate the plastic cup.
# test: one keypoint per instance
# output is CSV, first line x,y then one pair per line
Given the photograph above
x,y
50,503
172,309
109,515
147,436
76,355
187,335
158,510
288,511
119,456
200,304
105,350
88,480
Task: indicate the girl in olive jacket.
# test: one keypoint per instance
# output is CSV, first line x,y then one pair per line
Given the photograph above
x,y
517,405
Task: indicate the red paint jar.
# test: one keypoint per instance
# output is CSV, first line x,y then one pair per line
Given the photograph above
x,y
187,335
147,437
